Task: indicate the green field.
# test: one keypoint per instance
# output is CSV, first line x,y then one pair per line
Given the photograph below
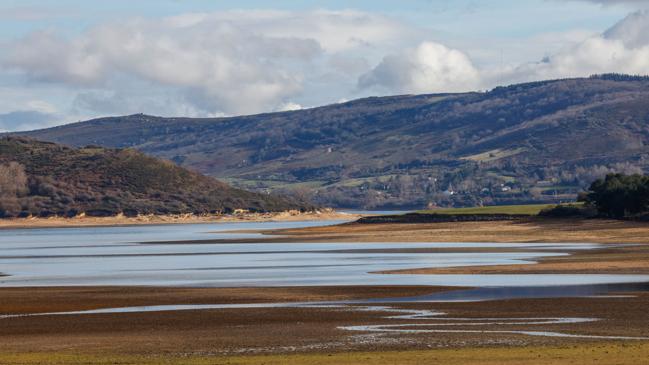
x,y
531,209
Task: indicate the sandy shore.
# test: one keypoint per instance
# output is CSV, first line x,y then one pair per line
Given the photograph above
x,y
121,220
524,231
628,253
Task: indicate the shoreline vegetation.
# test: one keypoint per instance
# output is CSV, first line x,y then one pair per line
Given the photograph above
x,y
486,214
122,220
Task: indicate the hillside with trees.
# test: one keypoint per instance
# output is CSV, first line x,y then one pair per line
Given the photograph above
x,y
47,179
540,142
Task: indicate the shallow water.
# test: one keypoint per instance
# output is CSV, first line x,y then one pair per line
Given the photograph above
x,y
139,256
133,256
438,322
435,321
613,290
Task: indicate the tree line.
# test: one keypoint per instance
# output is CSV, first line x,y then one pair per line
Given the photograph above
x,y
619,196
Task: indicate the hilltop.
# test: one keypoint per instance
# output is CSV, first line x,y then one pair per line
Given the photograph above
x,y
538,142
47,179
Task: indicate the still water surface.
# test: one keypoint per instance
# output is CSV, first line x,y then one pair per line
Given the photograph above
x,y
134,256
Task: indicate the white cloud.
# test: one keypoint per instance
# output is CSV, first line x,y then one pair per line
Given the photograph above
x,y
430,67
249,61
335,31
624,48
289,106
633,31
231,62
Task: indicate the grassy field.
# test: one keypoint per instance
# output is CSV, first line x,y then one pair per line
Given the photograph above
x,y
600,353
531,209
493,155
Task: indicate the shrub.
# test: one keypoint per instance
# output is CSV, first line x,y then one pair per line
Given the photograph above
x,y
619,195
568,211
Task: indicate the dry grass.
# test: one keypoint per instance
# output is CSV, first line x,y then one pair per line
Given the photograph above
x,y
530,209
602,354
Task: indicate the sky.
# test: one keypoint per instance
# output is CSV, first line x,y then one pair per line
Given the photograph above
x,y
62,61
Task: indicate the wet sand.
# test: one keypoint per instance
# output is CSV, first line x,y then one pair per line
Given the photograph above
x,y
60,299
217,334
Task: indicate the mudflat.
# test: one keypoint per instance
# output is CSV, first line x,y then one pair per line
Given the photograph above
x,y
214,336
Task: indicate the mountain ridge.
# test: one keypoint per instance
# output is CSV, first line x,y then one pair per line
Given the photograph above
x,y
535,142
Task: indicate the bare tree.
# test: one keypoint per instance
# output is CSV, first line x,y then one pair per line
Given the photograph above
x,y
13,180
13,184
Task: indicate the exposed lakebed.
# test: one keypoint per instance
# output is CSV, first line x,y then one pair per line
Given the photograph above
x,y
151,255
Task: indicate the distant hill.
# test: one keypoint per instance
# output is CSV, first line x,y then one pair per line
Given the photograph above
x,y
44,179
534,142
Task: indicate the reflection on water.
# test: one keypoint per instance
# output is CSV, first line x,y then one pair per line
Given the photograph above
x,y
426,321
522,292
116,256
437,322
463,295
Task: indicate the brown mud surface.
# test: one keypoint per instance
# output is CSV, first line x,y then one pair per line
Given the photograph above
x,y
287,330
61,299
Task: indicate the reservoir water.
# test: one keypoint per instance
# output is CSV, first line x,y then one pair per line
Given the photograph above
x,y
146,255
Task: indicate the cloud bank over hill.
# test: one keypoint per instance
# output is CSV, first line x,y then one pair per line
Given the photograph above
x,y
428,67
624,48
235,62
